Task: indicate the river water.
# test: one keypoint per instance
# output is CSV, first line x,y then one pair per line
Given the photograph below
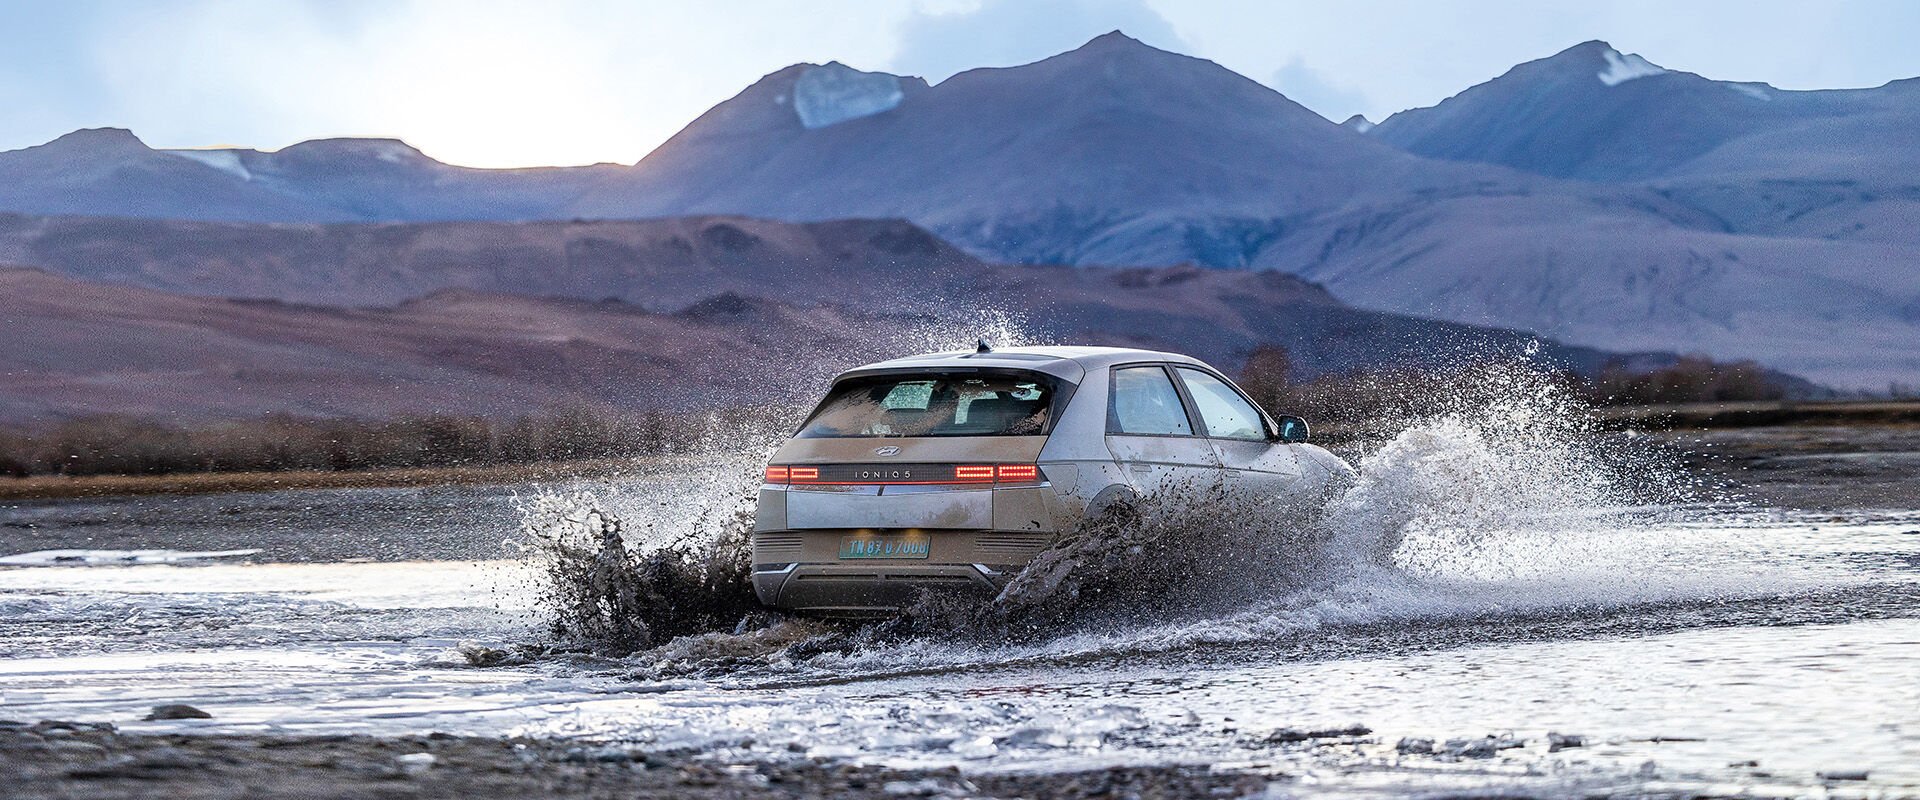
x,y
1529,632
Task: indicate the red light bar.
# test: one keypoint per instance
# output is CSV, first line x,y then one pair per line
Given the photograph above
x,y
1018,473
962,473
973,472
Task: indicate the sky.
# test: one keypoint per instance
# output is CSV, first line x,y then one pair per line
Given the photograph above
x,y
503,84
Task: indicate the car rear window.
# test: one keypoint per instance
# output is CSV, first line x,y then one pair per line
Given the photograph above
x,y
935,405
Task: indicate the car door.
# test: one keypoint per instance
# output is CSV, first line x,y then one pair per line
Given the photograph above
x,y
1250,455
1151,432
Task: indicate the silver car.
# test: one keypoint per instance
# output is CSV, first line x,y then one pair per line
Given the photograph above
x,y
952,470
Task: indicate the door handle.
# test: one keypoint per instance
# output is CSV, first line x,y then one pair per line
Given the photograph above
x,y
1141,468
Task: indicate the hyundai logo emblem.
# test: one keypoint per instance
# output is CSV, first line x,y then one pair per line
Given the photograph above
x,y
886,451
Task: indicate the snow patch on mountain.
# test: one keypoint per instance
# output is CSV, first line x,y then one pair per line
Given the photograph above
x,y
1358,123
835,93
391,152
1623,68
1757,91
222,159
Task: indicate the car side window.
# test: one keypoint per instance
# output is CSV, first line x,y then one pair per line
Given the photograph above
x,y
1144,402
1226,414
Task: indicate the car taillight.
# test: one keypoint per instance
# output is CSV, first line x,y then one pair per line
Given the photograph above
x,y
973,473
1017,473
1001,473
962,473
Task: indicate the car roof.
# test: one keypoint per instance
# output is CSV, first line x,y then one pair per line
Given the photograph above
x,y
1071,363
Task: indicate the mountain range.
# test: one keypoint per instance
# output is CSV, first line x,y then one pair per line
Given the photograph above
x,y
684,313
1591,196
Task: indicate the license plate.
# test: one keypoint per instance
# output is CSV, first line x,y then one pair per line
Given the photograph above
x,y
904,546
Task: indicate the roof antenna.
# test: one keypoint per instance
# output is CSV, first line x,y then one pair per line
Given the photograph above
x,y
984,347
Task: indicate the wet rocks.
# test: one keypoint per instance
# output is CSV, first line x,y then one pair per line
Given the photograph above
x,y
1414,746
73,747
1483,747
614,754
51,728
414,763
930,787
1557,742
1455,749
476,654
1295,735
176,711
64,760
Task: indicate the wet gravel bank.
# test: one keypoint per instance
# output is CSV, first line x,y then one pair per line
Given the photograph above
x,y
71,760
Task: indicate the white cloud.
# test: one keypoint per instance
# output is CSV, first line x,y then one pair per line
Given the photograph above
x,y
477,84
497,83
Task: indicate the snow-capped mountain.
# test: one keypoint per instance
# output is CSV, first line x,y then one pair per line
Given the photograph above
x,y
110,172
1592,196
387,180
1594,113
1114,153
1733,218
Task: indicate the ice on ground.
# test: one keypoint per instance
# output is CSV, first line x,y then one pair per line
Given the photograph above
x,y
96,558
225,160
1623,68
835,93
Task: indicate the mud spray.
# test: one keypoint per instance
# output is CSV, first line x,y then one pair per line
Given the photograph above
x,y
1502,481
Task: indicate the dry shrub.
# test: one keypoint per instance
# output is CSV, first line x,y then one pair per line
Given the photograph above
x,y
122,445
1692,379
1354,402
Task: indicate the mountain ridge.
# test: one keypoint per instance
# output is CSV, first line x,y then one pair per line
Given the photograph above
x,y
1591,195
1591,112
201,354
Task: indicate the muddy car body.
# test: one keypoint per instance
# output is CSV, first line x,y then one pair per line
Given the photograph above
x,y
951,471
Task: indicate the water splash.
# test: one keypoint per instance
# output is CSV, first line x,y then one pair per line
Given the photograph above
x,y
1498,495
1488,479
1189,550
627,570
602,594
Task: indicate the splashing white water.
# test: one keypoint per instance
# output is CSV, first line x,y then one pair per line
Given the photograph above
x,y
1504,500
1493,489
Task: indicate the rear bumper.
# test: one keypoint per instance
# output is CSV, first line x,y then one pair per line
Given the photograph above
x,y
975,540
802,570
867,589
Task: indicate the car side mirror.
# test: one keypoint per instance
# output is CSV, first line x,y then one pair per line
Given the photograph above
x,y
1292,429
